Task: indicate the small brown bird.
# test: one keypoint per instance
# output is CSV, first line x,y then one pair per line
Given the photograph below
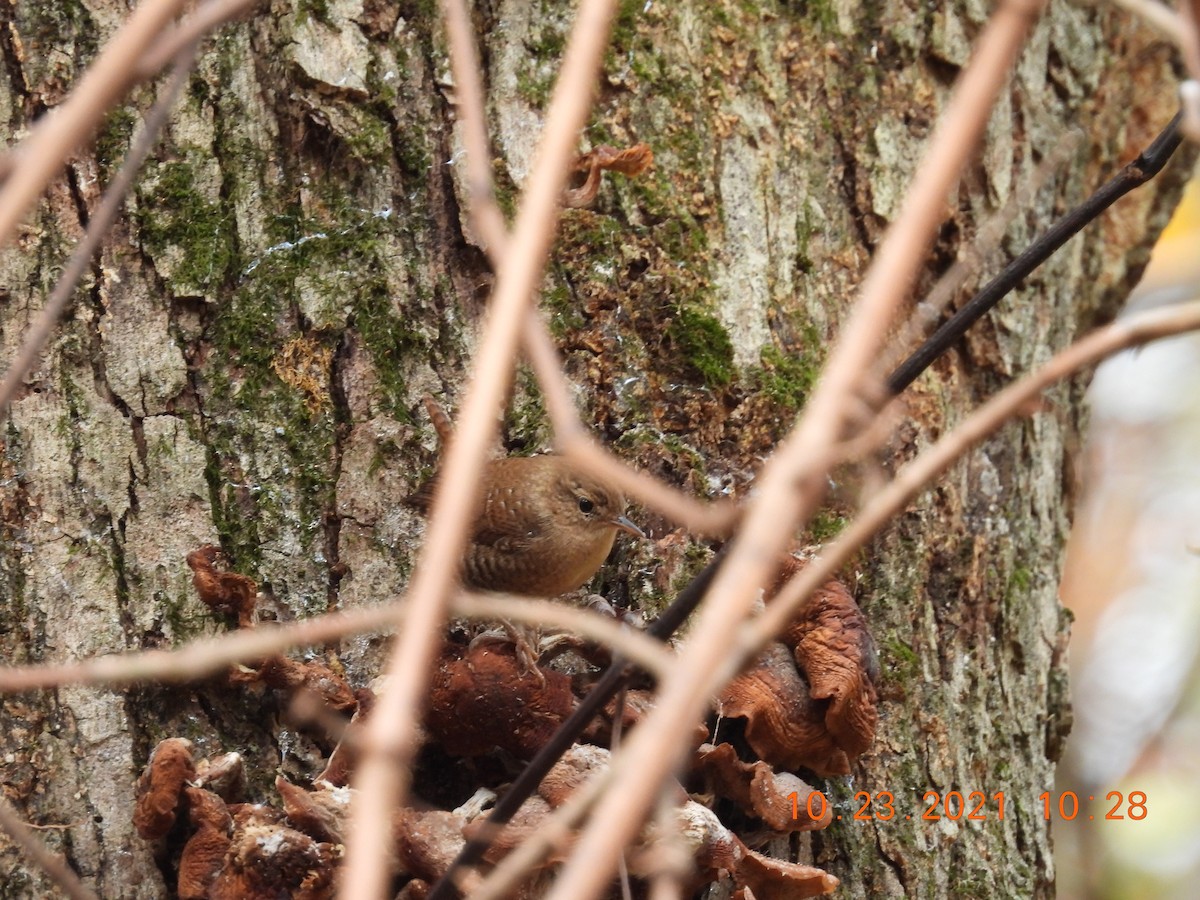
x,y
542,528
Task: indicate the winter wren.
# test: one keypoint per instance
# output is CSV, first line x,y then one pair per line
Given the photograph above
x,y
541,527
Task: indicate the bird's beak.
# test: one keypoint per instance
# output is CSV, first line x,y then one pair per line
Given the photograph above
x,y
625,525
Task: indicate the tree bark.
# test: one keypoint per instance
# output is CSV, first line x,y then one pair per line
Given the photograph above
x,y
295,270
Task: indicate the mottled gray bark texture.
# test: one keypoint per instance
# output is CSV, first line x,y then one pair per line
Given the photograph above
x,y
245,365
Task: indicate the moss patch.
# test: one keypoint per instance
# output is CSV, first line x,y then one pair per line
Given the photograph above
x,y
176,217
786,380
703,345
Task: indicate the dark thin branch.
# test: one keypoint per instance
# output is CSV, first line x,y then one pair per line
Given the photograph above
x,y
531,776
1148,164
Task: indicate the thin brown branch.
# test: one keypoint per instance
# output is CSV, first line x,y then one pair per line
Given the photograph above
x,y
709,519
39,157
570,435
1189,95
37,852
674,863
1156,15
206,18
1127,332
635,646
1189,36
391,734
204,658
486,217
654,750
988,238
201,658
97,229
1189,43
572,439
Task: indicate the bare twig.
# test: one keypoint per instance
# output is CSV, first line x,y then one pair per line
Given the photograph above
x,y
39,157
1189,36
1148,164
1130,331
1155,14
486,216
634,645
203,658
673,862
384,771
97,229
573,440
1189,43
206,18
701,519
50,863
653,750
569,433
986,241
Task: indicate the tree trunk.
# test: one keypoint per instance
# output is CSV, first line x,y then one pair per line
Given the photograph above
x,y
245,366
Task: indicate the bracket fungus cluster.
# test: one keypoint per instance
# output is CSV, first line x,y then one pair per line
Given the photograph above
x,y
233,849
809,700
807,703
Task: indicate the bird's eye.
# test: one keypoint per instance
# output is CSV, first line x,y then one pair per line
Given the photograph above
x,y
586,506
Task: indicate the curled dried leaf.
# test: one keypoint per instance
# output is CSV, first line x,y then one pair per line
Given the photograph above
x,y
427,841
760,791
631,161
225,592
784,725
291,675
837,655
319,813
204,853
774,879
483,699
160,787
224,775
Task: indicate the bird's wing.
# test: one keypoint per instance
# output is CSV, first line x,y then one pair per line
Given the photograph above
x,y
507,531
503,541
